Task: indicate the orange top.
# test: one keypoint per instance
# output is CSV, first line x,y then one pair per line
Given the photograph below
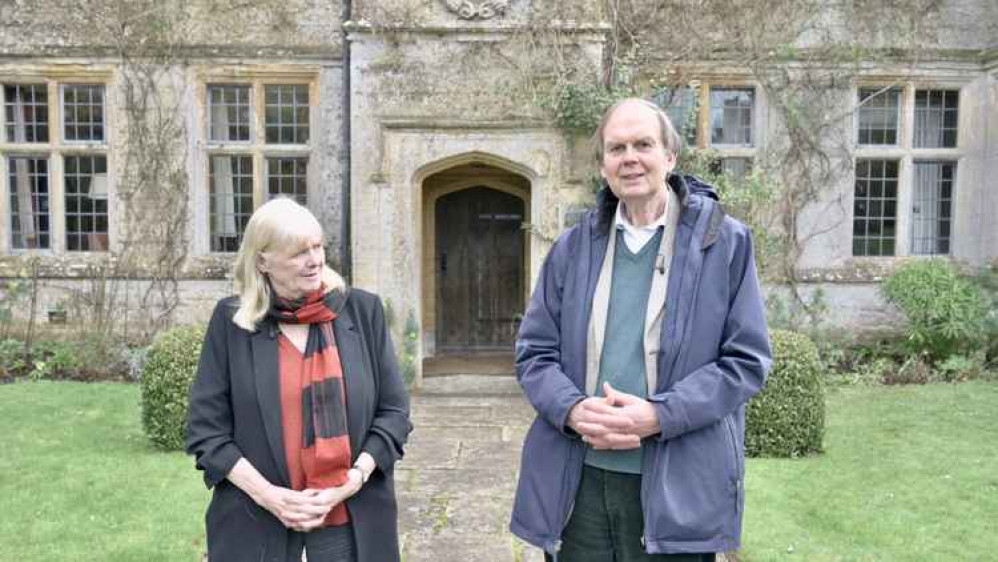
x,y
292,366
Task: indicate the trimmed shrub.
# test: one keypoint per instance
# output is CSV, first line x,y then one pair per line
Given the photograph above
x,y
787,419
166,380
946,313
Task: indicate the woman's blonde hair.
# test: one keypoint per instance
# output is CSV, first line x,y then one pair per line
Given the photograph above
x,y
268,229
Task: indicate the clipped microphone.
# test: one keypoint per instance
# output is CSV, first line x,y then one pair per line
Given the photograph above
x,y
660,264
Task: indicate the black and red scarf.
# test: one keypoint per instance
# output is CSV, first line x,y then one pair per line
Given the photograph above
x,y
324,449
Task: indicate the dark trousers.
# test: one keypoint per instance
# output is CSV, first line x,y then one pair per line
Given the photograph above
x,y
607,523
326,544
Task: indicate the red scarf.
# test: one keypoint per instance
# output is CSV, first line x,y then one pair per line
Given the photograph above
x,y
316,409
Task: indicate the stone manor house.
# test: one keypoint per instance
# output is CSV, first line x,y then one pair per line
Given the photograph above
x,y
439,189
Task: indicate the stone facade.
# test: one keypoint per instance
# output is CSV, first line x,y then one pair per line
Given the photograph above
x,y
439,96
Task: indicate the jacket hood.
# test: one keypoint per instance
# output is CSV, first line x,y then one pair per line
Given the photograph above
x,y
698,186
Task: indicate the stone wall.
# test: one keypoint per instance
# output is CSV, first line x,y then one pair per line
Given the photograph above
x,y
208,28
435,93
155,59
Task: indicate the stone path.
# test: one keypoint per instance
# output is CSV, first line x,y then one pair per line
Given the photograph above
x,y
456,482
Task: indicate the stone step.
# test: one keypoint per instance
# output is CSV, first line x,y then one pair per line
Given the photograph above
x,y
469,385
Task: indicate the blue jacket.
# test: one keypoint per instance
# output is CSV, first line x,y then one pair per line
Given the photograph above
x,y
714,356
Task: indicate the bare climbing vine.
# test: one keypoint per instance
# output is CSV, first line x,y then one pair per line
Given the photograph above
x,y
804,61
133,290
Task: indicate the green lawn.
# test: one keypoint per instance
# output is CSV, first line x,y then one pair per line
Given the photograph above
x,y
79,480
909,474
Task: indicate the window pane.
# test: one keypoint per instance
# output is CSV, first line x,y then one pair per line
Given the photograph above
x,y
931,207
288,176
230,201
83,112
28,186
878,116
27,115
680,104
286,113
874,208
936,117
731,115
229,113
85,181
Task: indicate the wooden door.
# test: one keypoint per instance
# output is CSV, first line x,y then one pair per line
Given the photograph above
x,y
479,269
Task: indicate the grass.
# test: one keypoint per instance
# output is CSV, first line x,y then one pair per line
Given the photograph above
x,y
79,480
909,474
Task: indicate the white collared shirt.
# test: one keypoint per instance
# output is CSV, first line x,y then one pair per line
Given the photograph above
x,y
636,236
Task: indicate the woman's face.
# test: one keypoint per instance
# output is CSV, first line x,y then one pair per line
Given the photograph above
x,y
296,269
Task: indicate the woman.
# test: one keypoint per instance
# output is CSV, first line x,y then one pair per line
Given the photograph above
x,y
298,412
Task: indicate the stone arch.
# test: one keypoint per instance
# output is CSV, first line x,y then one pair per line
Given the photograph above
x,y
456,174
472,157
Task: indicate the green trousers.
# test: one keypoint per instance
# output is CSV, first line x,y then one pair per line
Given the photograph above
x,y
606,523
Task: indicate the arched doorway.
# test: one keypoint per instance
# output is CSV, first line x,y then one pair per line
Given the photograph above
x,y
476,263
479,269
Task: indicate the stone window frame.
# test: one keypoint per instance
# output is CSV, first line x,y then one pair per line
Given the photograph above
x,y
739,110
257,149
907,155
727,154
55,151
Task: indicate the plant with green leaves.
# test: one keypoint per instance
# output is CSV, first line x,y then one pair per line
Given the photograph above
x,y
13,292
410,348
987,281
946,313
12,358
578,106
166,379
959,368
410,342
787,419
59,359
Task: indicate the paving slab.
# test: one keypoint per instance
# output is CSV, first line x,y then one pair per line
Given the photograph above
x,y
471,385
456,483
482,483
457,415
424,432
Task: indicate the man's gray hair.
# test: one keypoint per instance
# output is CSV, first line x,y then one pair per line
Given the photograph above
x,y
667,131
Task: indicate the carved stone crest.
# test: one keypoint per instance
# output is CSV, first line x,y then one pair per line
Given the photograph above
x,y
469,10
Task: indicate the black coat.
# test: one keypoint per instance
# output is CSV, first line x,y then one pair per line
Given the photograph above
x,y
235,411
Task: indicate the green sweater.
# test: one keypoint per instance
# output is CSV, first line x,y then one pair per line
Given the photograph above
x,y
622,361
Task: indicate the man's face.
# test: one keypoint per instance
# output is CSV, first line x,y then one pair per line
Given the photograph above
x,y
635,161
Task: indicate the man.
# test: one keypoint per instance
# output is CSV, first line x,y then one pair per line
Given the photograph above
x,y
643,340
